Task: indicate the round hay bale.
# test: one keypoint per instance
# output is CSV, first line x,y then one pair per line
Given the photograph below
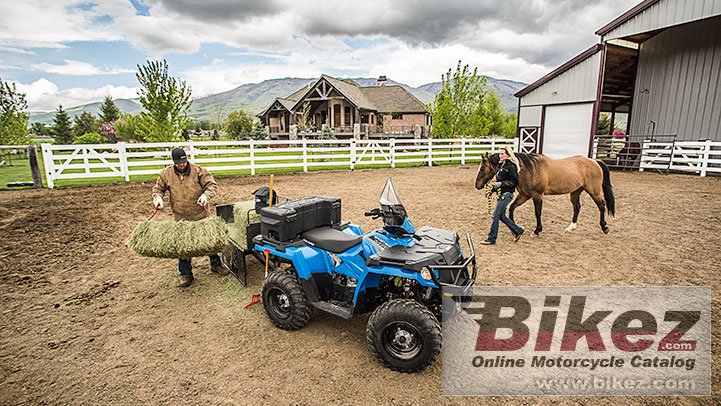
x,y
179,239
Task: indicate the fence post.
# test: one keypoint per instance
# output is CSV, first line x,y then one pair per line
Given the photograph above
x,y
493,145
124,161
705,157
430,152
393,152
352,154
191,151
34,167
463,151
305,155
49,164
252,157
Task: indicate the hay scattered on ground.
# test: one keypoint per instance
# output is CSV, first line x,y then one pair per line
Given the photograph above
x,y
236,229
179,239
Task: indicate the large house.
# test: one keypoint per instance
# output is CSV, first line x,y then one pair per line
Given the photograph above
x,y
348,110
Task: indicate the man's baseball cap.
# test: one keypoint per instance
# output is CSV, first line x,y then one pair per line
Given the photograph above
x,y
179,156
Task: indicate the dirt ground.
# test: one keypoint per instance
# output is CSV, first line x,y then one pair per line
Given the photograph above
x,y
85,320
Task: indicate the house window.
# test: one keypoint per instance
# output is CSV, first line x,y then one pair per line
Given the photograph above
x,y
364,118
397,116
346,116
373,119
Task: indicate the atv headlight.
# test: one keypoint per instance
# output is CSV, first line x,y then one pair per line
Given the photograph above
x,y
426,274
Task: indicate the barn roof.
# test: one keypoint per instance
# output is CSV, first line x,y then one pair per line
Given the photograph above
x,y
556,72
636,10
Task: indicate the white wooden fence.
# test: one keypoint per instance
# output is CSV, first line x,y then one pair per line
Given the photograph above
x,y
124,160
699,157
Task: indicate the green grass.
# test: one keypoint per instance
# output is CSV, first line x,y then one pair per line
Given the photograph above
x,y
20,171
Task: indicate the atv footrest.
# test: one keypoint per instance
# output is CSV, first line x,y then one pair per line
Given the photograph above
x,y
345,312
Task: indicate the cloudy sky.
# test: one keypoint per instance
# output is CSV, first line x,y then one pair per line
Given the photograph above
x,y
74,52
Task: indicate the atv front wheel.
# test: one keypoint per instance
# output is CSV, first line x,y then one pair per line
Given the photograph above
x,y
284,301
404,335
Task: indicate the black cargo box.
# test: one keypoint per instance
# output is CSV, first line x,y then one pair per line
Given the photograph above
x,y
287,221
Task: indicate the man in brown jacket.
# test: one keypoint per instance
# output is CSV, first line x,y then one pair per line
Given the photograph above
x,y
190,186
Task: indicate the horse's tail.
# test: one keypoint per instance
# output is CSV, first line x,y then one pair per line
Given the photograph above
x,y
608,189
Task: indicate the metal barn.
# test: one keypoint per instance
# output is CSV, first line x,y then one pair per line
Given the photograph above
x,y
656,70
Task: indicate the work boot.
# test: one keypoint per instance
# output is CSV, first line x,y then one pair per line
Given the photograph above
x,y
185,281
221,269
487,242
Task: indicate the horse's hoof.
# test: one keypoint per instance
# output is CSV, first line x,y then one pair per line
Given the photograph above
x,y
605,230
537,233
570,228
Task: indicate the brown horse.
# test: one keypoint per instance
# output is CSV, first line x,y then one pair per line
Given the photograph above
x,y
541,175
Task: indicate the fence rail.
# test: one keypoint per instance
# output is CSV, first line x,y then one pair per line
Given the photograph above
x,y
125,160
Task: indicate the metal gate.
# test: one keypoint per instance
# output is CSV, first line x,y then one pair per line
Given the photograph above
x,y
635,152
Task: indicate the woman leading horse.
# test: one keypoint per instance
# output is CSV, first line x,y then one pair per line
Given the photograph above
x,y
541,175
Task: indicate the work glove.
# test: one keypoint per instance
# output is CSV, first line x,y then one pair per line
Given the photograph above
x,y
496,186
158,202
203,200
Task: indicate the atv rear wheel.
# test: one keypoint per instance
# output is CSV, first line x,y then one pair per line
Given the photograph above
x,y
284,301
404,335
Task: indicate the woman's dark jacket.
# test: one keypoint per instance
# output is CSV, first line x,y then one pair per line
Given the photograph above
x,y
508,176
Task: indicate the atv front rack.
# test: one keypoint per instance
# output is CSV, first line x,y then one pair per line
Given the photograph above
x,y
455,273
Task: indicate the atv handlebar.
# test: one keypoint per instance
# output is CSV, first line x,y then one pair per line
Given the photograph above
x,y
470,261
375,213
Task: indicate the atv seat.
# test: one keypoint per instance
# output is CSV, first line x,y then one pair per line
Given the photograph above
x,y
330,239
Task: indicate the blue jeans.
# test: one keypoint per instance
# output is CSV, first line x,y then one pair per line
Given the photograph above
x,y
500,214
186,268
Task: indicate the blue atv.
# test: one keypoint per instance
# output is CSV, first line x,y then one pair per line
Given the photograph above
x,y
396,272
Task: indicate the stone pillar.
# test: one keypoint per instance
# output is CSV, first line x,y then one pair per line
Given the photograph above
x,y
332,115
356,131
293,134
417,131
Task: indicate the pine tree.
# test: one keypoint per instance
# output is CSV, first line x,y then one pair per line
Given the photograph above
x,y
109,111
85,123
62,129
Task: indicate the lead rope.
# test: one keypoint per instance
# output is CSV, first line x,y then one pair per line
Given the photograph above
x,y
491,196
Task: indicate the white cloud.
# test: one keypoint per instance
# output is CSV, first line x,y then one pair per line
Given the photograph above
x,y
44,95
78,68
411,65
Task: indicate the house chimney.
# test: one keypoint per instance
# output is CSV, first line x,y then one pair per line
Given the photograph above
x,y
382,80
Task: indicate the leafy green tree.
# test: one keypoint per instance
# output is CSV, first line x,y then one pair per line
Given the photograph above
x,y
166,101
239,124
460,109
85,123
128,128
13,116
90,138
62,128
108,111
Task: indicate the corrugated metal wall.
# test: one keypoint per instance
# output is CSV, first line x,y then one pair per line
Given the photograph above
x,y
679,82
666,13
577,84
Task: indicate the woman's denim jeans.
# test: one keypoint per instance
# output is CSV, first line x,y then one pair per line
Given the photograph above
x,y
500,214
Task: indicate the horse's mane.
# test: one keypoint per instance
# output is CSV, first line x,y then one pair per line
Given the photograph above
x,y
528,161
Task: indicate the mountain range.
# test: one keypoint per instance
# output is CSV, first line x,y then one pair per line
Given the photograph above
x,y
254,97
